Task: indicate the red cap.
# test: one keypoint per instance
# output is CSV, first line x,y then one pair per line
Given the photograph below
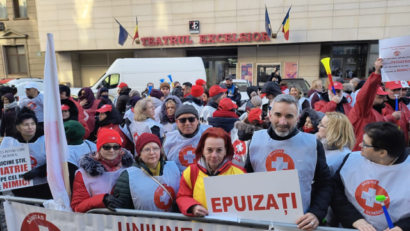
x,y
106,136
381,92
197,91
336,85
105,108
121,85
144,139
200,82
392,85
255,114
214,90
226,105
263,95
64,107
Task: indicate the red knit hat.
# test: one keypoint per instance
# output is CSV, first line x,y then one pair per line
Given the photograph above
x,y
226,105
255,114
144,139
197,91
200,82
121,85
106,136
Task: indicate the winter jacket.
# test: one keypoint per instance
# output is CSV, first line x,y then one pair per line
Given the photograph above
x,y
403,123
74,115
345,211
81,201
314,118
322,190
8,117
271,88
222,122
123,99
177,91
363,112
326,105
315,97
235,95
245,131
162,114
192,178
207,111
122,187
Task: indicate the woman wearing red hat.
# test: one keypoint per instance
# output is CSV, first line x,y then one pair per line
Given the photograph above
x,y
70,112
215,153
95,180
151,183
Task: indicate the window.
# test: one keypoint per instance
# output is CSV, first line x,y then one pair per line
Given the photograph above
x,y
111,81
3,9
20,8
16,59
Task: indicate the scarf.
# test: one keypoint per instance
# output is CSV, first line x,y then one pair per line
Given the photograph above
x,y
110,165
204,164
284,87
171,118
155,172
226,114
10,105
379,107
89,96
308,130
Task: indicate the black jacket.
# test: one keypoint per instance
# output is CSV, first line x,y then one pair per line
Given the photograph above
x,y
314,118
271,88
322,190
178,92
192,99
345,211
8,119
222,122
123,99
236,96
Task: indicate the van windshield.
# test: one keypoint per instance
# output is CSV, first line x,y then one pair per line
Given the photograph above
x,y
98,81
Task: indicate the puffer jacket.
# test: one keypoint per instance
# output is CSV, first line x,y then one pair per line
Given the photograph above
x,y
81,200
314,118
163,119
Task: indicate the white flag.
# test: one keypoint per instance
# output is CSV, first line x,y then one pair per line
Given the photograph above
x,y
56,143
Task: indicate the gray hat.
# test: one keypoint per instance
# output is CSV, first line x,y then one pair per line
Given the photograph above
x,y
186,109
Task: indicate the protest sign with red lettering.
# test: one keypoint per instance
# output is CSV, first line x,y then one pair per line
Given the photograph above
x,y
14,162
395,53
265,196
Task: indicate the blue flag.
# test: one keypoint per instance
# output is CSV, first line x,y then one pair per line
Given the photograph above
x,y
267,22
122,37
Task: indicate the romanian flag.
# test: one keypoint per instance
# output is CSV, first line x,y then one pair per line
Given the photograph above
x,y
285,25
136,36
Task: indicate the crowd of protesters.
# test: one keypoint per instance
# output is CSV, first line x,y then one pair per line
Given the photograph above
x,y
151,150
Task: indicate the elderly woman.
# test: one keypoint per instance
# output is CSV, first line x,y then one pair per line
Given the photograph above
x,y
29,133
309,121
95,180
151,183
215,152
9,113
337,136
297,92
167,113
144,113
381,168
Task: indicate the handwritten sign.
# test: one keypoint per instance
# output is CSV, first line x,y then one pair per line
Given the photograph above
x,y
267,196
14,162
395,53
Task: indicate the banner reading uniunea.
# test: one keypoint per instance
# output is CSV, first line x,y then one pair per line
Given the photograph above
x,y
14,162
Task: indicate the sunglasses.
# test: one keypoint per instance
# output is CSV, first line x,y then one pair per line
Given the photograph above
x,y
108,147
190,119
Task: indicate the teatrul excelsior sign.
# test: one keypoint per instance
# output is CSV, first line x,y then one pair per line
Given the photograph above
x,y
207,38
267,196
14,163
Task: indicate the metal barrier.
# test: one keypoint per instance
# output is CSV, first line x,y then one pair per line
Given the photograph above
x,y
263,225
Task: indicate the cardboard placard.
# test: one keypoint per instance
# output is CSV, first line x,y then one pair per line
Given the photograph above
x,y
14,162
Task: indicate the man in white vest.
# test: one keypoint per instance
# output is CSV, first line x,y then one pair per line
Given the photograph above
x,y
283,147
180,145
34,100
382,167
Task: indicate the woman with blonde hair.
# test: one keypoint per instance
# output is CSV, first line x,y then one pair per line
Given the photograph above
x,y
337,136
144,113
297,92
314,93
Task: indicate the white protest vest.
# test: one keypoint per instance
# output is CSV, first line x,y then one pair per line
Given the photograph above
x,y
35,104
363,180
298,152
148,195
182,150
206,112
137,128
334,158
37,154
76,151
240,148
168,127
196,106
129,115
103,184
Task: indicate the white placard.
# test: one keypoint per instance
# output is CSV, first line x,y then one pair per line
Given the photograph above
x,y
14,162
267,196
395,53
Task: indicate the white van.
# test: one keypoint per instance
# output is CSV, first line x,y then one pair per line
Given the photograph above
x,y
138,72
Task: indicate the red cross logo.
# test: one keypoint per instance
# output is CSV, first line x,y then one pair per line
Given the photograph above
x,y
33,162
31,105
366,194
37,222
396,53
278,160
187,156
161,198
239,147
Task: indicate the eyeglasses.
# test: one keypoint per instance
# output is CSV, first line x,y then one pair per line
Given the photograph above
x,y
321,125
108,147
365,145
148,150
190,119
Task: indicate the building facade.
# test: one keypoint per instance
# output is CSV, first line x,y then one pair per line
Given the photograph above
x,y
232,38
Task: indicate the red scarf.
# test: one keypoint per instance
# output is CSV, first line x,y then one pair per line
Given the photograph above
x,y
110,165
187,95
226,114
282,88
308,130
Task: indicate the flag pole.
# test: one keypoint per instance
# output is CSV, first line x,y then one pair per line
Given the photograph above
x,y
124,28
280,25
66,178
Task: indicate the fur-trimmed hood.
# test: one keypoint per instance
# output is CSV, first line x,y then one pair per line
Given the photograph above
x,y
162,113
95,168
245,131
314,117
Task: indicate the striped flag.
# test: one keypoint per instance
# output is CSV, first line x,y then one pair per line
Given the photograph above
x,y
136,36
56,143
285,25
